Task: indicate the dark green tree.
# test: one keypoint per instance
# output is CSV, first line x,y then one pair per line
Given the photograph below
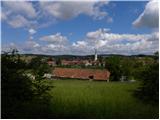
x,y
114,66
156,55
15,86
126,68
38,69
21,96
58,61
149,89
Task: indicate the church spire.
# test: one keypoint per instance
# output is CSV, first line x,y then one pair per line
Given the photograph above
x,y
95,55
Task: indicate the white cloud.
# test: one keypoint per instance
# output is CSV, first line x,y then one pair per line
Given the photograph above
x,y
80,44
32,44
56,43
20,7
44,13
111,43
118,43
97,34
18,21
19,14
149,17
3,16
67,10
56,47
55,38
9,47
32,31
106,43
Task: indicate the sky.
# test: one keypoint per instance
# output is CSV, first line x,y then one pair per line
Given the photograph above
x,y
79,27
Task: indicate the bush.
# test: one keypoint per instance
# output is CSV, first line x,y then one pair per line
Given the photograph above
x,y
149,89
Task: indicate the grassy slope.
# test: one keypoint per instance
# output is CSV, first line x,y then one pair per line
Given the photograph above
x,y
84,99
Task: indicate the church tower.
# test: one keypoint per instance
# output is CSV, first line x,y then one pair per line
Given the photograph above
x,y
95,55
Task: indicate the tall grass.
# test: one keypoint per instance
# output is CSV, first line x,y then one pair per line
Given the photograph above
x,y
85,99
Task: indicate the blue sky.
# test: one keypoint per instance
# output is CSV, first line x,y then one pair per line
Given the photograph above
x,y
113,27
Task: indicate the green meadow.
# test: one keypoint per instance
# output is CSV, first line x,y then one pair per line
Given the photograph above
x,y
96,99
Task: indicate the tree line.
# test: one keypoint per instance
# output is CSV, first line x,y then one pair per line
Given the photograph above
x,y
145,70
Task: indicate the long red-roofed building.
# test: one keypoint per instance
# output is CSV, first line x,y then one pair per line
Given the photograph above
x,y
94,74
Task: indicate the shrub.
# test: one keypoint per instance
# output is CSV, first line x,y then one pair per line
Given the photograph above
x,y
149,89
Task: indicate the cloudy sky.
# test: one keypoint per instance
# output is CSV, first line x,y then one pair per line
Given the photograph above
x,y
56,28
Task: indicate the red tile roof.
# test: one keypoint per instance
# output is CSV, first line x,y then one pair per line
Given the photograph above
x,y
96,74
73,62
51,63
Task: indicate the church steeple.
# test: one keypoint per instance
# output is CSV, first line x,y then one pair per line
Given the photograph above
x,y
95,55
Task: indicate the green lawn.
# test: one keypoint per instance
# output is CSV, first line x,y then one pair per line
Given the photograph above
x,y
85,99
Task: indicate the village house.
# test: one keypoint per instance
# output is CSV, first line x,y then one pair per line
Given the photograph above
x,y
80,73
86,74
79,62
72,62
51,62
86,62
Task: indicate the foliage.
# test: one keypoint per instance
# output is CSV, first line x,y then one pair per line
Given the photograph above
x,y
39,66
127,68
100,58
58,62
15,86
137,67
149,90
156,55
19,93
114,66
130,67
149,75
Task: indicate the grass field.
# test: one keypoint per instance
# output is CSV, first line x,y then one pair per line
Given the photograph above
x,y
85,99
